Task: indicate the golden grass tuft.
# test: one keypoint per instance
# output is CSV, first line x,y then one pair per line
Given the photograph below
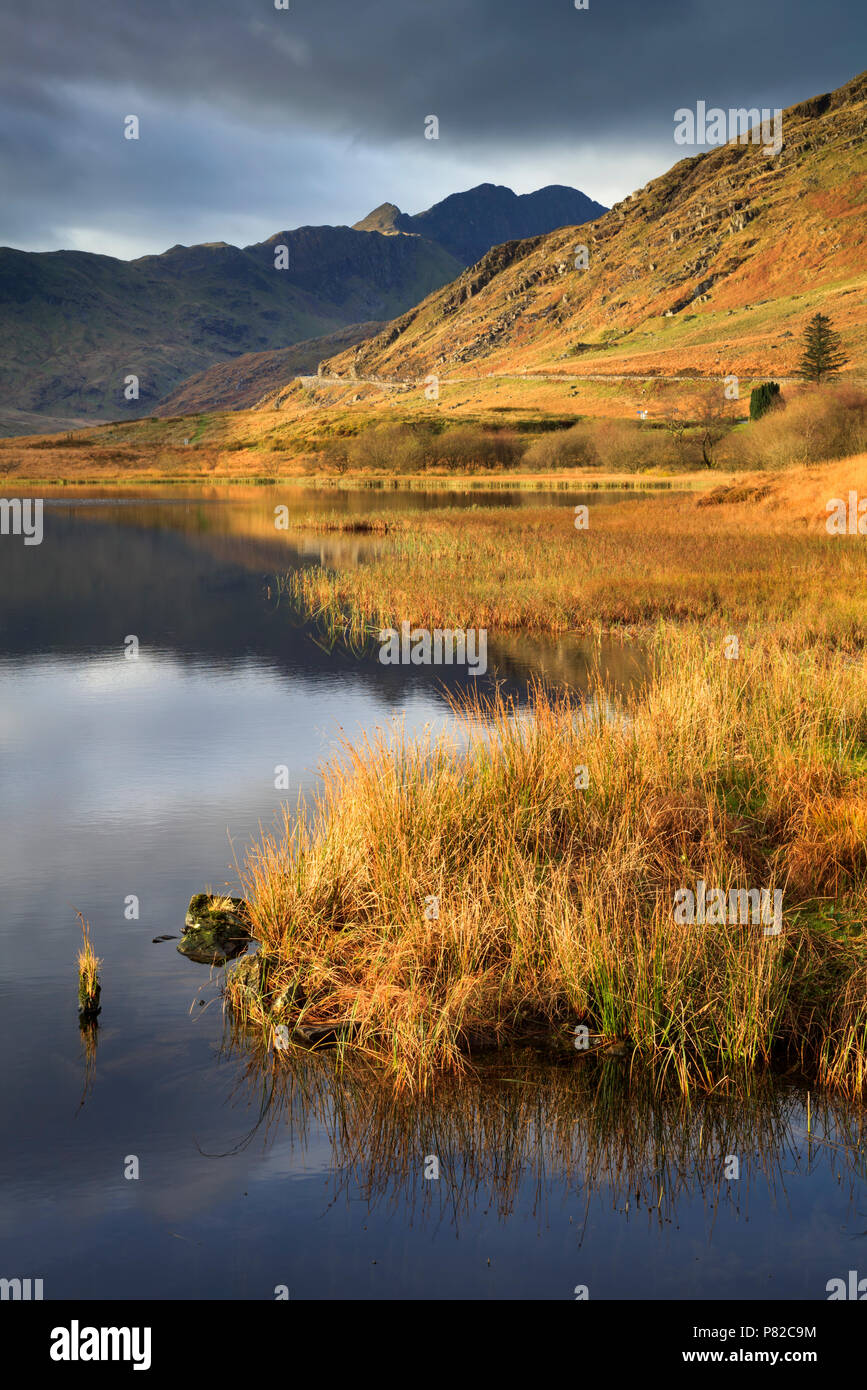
x,y
88,971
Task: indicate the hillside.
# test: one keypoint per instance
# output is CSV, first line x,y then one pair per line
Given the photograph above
x,y
712,268
241,382
75,325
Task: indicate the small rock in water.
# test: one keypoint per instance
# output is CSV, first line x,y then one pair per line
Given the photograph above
x,y
163,938
216,929
206,909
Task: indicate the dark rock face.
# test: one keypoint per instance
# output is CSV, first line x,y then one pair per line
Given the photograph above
x,y
469,224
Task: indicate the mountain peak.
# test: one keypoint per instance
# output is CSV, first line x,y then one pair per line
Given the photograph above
x,y
383,219
468,224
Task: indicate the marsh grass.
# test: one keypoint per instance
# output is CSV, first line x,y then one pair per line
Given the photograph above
x,y
88,974
739,568
555,905
353,525
220,903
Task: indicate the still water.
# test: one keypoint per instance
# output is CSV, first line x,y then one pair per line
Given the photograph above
x,y
149,778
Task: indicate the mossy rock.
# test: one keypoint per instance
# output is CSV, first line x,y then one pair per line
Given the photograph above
x,y
209,909
217,929
248,975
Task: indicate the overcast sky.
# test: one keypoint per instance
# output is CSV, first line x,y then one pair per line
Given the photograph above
x,y
254,120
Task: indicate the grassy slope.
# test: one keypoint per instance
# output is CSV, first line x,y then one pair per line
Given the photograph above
x,y
740,248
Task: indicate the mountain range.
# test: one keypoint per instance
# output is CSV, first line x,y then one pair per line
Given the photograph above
x,y
469,224
713,268
76,325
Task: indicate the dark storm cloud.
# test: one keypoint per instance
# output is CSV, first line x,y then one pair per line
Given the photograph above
x,y
249,112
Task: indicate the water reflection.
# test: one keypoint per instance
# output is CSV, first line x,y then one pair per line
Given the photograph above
x,y
148,778
521,1123
202,582
238,526
89,1030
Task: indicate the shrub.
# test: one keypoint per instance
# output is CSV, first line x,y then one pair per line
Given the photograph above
x,y
389,448
385,448
404,449
616,445
571,448
821,423
626,446
465,449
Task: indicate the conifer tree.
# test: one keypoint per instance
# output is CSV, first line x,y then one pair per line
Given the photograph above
x,y
823,354
764,398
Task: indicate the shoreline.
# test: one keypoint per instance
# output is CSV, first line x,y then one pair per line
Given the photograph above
x,y
559,481
555,897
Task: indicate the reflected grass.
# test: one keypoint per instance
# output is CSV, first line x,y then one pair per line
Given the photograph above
x,y
518,1124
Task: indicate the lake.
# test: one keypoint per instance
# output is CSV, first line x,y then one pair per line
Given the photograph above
x,y
146,779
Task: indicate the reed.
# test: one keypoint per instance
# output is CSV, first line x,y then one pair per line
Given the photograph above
x,y
519,1125
88,975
